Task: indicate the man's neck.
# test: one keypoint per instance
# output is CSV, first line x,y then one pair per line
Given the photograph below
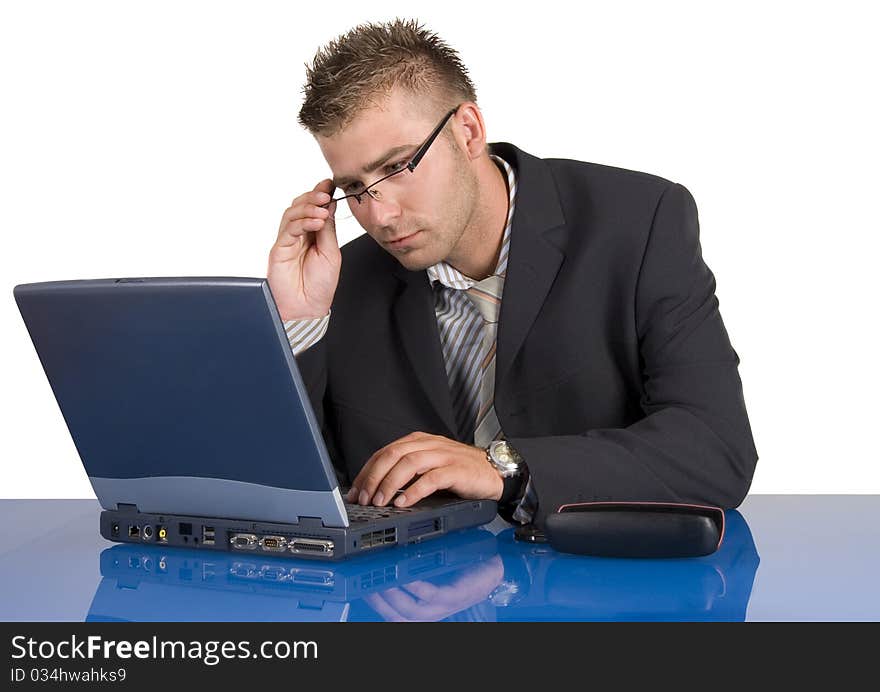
x,y
485,234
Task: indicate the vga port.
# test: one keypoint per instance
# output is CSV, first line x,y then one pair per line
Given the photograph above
x,y
244,541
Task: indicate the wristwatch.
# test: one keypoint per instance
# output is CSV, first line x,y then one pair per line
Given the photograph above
x,y
506,460
513,471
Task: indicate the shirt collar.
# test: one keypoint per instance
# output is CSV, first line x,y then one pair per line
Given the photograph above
x,y
448,275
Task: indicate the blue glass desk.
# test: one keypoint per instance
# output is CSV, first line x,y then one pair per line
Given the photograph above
x,y
784,557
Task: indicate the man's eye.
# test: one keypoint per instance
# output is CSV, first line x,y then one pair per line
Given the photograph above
x,y
394,167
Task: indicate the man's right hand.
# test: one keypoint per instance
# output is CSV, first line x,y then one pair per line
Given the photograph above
x,y
305,261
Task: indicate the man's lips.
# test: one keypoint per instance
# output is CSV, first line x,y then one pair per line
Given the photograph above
x,y
402,239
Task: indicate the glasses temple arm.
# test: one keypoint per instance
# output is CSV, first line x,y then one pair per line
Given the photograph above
x,y
424,148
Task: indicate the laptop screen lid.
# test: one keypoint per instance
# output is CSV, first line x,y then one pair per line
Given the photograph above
x,y
182,395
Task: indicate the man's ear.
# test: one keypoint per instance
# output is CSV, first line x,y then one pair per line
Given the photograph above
x,y
470,130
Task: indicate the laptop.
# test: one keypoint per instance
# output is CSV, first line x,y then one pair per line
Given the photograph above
x,y
188,412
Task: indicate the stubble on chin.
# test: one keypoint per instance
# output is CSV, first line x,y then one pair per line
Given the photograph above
x,y
413,260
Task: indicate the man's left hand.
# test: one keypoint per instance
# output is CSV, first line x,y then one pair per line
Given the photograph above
x,y
436,462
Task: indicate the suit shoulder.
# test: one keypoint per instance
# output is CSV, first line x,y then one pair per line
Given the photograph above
x,y
611,192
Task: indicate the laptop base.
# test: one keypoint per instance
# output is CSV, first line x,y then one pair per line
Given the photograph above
x,y
308,539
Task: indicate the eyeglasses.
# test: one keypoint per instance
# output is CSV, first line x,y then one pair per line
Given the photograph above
x,y
408,167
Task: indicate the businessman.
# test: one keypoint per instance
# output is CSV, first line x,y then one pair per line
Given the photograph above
x,y
532,331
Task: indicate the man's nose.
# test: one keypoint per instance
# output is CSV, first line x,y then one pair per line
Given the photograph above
x,y
381,212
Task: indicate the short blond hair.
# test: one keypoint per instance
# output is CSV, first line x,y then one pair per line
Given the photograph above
x,y
360,67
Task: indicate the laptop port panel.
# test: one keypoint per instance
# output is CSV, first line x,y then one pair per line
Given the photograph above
x,y
418,530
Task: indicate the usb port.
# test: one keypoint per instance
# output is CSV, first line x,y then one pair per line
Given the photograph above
x,y
207,535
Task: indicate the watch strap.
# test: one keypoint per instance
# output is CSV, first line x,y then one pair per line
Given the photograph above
x,y
514,490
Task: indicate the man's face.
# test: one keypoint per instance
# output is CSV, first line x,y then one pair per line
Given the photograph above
x,y
426,211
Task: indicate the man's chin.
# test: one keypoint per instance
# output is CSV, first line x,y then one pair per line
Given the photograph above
x,y
413,263
415,260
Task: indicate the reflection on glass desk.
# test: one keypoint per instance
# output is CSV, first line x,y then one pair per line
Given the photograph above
x,y
147,583
468,575
817,558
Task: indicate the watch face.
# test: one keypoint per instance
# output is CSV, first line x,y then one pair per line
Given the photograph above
x,y
505,458
504,453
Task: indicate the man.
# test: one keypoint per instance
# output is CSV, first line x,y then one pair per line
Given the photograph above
x,y
531,331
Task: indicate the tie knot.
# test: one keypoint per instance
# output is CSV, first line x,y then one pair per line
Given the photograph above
x,y
486,296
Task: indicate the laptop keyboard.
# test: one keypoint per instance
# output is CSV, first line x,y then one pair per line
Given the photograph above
x,y
371,512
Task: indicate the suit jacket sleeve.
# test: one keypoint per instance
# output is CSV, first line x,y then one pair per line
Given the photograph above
x,y
694,443
312,366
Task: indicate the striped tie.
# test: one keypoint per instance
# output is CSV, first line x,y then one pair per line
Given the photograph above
x,y
486,297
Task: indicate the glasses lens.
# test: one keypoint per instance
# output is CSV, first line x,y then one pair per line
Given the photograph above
x,y
344,213
397,178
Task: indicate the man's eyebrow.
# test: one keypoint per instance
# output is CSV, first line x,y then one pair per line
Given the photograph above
x,y
370,167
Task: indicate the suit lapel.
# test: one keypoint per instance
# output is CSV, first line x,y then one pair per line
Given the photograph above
x,y
417,329
535,238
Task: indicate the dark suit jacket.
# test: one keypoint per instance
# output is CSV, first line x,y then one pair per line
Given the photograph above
x,y
615,377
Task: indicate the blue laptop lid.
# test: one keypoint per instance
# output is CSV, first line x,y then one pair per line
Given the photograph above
x,y
176,388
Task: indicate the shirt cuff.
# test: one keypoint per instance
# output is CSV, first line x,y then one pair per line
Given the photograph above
x,y
528,505
519,501
302,334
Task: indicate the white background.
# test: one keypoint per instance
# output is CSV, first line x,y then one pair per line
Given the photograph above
x,y
160,139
